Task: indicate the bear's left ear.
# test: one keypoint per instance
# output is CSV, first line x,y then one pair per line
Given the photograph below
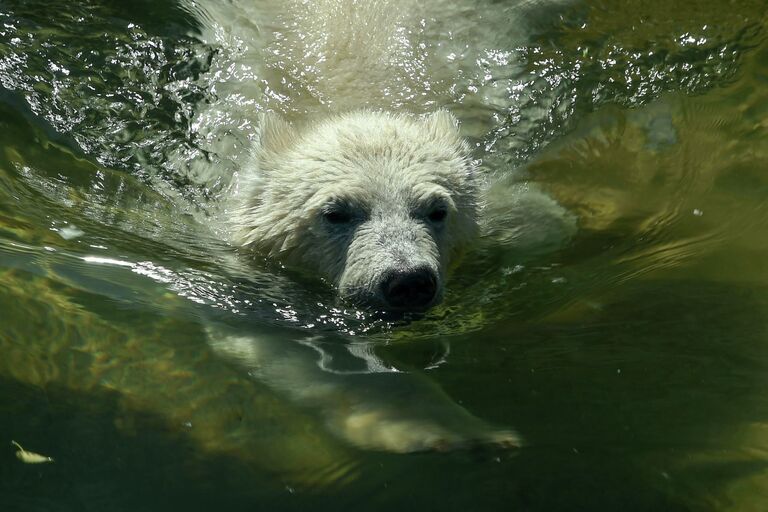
x,y
442,123
276,134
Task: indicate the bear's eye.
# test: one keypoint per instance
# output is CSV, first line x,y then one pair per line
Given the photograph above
x,y
337,216
438,214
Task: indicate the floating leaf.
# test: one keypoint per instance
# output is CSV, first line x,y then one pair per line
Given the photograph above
x,y
30,457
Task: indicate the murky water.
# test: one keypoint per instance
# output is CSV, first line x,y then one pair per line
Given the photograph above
x,y
632,361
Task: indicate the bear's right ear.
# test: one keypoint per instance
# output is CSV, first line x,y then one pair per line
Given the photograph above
x,y
442,121
275,134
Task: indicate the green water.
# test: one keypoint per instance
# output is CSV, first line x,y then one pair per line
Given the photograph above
x,y
633,361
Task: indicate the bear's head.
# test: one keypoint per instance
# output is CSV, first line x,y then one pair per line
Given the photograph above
x,y
378,203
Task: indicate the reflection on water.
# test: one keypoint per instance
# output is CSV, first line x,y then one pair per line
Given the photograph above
x,y
631,362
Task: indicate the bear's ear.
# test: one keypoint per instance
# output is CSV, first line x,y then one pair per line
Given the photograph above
x,y
442,123
276,134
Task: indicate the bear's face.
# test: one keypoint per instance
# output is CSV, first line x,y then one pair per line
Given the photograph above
x,y
378,203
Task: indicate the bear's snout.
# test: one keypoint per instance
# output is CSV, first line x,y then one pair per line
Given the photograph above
x,y
410,290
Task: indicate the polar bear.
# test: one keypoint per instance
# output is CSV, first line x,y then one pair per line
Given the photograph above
x,y
360,174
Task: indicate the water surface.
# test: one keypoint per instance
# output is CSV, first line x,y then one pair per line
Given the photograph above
x,y
632,360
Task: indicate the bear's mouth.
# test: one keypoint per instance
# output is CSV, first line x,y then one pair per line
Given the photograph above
x,y
396,317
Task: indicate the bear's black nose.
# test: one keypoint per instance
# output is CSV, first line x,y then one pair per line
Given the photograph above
x,y
411,290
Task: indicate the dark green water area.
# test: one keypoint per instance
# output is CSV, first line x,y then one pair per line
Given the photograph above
x,y
633,361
